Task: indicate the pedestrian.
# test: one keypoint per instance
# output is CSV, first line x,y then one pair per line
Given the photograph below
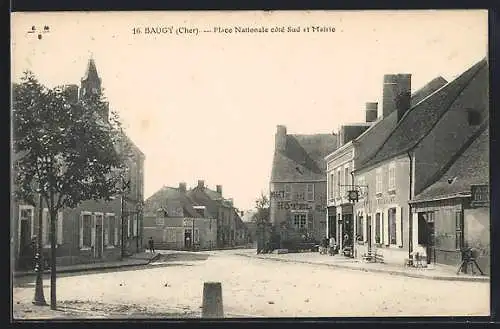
x,y
331,249
151,244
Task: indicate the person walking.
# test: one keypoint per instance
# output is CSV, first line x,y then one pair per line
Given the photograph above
x,y
151,244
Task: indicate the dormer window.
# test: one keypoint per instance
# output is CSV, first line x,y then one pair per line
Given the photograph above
x,y
473,117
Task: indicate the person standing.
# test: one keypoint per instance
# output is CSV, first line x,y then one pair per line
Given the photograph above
x,y
151,244
332,244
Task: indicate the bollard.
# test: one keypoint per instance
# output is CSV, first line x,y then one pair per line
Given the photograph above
x,y
212,300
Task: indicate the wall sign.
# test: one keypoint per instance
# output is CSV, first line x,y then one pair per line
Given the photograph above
x,y
480,195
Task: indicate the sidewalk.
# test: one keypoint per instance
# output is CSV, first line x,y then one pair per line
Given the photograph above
x,y
436,272
139,259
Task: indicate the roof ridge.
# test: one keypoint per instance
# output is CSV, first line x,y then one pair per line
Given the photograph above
x,y
455,156
479,64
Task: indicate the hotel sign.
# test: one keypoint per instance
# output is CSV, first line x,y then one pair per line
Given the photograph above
x,y
480,195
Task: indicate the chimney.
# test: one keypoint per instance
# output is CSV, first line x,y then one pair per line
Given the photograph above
x,y
201,184
280,139
219,189
396,94
182,187
371,111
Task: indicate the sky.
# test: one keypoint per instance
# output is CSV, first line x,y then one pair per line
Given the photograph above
x,y
206,105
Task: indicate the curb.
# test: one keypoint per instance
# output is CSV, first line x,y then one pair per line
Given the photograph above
x,y
376,270
23,274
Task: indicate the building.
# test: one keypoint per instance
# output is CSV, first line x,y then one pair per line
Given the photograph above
x,y
220,208
91,232
176,222
357,142
298,184
454,212
424,140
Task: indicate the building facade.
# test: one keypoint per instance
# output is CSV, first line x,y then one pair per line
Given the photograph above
x,y
453,213
298,184
425,138
92,231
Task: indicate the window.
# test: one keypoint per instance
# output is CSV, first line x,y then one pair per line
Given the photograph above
x,y
105,230
339,183
391,216
112,230
300,221
86,231
347,181
361,184
129,227
196,236
135,222
310,192
288,192
359,227
473,117
459,234
332,184
392,176
171,234
378,178
377,228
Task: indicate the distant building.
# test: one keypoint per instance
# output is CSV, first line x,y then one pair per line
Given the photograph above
x,y
176,222
222,209
298,183
90,232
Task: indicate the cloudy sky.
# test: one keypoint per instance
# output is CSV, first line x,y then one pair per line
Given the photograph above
x,y
206,106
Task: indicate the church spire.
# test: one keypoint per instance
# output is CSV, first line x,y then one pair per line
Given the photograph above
x,y
91,82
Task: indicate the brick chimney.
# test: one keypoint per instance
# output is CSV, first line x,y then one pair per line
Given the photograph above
x,y
371,111
280,139
201,183
396,94
219,189
182,187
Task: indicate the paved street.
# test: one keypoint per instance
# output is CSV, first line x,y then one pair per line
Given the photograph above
x,y
173,287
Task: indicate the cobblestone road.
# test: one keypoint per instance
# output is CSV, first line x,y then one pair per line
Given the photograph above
x,y
251,287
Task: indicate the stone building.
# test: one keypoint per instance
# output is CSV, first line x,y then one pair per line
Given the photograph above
x,y
423,141
176,222
358,142
92,231
454,211
298,184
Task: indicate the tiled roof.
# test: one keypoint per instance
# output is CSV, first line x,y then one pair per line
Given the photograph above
x,y
373,137
421,118
303,158
166,194
469,167
203,196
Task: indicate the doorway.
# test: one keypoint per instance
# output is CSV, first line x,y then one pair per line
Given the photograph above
x,y
347,231
187,239
369,231
26,247
426,234
98,237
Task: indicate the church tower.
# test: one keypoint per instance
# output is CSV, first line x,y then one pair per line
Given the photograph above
x,y
91,84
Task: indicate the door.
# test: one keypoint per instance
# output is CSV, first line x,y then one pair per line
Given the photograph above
x,y
98,237
431,252
187,239
25,245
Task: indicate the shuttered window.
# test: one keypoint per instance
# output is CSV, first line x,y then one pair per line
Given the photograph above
x,y
391,225
86,230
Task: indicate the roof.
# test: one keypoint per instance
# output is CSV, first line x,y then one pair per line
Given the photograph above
x,y
421,118
303,157
91,71
469,167
170,194
373,137
204,196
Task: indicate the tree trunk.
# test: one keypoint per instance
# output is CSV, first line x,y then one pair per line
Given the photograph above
x,y
39,295
53,241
